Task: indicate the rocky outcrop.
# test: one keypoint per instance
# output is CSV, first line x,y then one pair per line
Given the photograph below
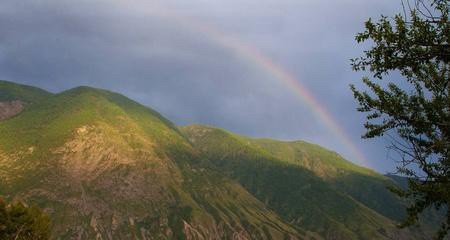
x,y
10,109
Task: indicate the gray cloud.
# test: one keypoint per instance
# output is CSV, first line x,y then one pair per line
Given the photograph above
x,y
138,48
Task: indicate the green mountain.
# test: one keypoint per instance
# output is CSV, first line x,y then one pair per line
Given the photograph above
x,y
306,184
105,167
14,98
12,91
362,184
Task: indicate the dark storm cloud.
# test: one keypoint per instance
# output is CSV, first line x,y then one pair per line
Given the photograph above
x,y
135,48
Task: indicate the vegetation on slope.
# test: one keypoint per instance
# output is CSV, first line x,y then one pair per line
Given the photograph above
x,y
12,91
362,184
307,196
103,165
17,221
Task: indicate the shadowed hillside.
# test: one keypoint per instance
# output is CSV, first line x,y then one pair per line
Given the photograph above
x,y
14,98
103,166
306,184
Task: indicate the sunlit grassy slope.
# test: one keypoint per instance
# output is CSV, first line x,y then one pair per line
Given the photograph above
x,y
12,91
307,185
104,165
362,184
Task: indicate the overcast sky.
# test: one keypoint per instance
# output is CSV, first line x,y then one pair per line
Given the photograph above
x,y
151,51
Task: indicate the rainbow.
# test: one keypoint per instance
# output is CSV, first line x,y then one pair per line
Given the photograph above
x,y
262,61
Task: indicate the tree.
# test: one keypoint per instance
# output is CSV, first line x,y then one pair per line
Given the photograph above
x,y
20,222
411,111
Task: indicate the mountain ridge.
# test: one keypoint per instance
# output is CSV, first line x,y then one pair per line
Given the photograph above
x,y
103,165
241,160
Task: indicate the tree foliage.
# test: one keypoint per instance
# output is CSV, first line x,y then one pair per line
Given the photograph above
x,y
411,111
20,222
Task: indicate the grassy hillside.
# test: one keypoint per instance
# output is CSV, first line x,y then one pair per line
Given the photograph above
x,y
322,162
307,185
105,166
12,91
362,184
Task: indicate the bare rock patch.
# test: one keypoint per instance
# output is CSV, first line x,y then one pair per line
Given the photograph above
x,y
10,109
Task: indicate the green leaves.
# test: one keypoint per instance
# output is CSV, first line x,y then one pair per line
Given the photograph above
x,y
414,113
20,222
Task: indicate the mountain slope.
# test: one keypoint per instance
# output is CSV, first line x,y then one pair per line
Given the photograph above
x,y
106,167
10,91
303,183
15,97
365,185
